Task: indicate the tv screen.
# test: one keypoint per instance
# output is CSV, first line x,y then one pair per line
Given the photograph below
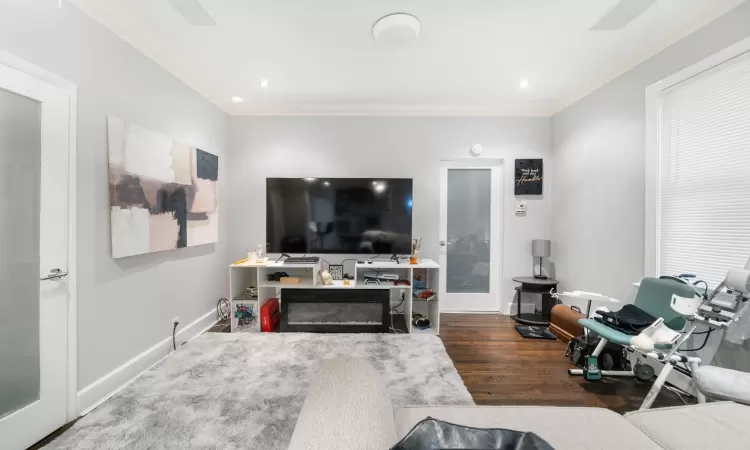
x,y
338,215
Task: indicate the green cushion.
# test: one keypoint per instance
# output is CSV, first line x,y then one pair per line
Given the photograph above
x,y
610,334
655,295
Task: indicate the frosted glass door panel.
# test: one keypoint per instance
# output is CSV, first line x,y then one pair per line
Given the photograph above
x,y
468,230
20,172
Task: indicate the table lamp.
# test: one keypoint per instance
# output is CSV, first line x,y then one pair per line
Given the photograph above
x,y
540,248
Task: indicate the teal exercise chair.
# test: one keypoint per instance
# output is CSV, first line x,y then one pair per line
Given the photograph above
x,y
654,297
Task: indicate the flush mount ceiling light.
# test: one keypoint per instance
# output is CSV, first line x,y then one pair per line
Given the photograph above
x,y
264,83
236,99
524,83
396,29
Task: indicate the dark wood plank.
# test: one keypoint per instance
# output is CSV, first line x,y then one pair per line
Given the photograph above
x,y
222,326
499,367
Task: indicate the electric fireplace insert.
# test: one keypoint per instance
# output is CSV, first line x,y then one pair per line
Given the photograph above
x,y
335,310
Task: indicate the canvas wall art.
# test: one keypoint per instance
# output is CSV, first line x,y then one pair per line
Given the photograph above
x,y
529,176
163,193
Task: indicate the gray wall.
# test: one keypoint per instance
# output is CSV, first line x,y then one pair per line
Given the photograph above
x,y
124,306
599,172
409,147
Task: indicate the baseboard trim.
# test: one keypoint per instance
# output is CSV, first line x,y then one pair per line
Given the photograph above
x,y
110,384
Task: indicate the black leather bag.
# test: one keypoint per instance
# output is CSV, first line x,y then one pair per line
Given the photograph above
x,y
630,319
435,434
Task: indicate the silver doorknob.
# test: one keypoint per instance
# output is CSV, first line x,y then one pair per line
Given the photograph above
x,y
55,274
443,243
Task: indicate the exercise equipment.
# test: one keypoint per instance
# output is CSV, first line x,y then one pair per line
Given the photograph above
x,y
591,369
679,307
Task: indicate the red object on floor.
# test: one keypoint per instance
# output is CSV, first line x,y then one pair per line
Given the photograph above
x,y
269,315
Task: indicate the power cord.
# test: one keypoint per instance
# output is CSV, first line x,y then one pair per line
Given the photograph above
x,y
174,335
223,309
679,393
394,308
282,255
705,293
705,341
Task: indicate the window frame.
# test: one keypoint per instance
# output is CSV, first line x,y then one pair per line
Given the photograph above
x,y
654,100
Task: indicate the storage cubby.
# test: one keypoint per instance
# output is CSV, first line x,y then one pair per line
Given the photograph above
x,y
307,275
363,270
426,279
243,291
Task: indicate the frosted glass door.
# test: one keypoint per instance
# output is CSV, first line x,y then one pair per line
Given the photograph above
x,y
34,159
20,168
469,233
470,238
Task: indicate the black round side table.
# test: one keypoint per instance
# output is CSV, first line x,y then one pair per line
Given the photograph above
x,y
536,286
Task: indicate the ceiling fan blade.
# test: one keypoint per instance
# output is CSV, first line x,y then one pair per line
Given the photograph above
x,y
192,12
621,14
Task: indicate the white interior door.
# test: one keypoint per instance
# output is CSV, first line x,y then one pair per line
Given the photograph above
x,y
34,146
471,201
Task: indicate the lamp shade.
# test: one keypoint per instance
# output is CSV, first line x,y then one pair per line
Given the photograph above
x,y
540,248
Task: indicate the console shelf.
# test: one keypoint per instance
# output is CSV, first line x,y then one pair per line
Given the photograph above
x,y
428,299
337,284
425,274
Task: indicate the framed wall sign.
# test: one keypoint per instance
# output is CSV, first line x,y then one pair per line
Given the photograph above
x,y
529,176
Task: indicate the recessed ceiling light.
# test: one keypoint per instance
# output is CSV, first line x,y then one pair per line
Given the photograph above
x,y
524,83
264,83
236,99
326,183
310,179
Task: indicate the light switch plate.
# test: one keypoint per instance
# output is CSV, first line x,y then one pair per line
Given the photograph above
x,y
520,207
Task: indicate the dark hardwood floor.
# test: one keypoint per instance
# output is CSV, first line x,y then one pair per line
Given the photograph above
x,y
499,367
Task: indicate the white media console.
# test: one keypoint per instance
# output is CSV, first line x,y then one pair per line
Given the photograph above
x,y
245,275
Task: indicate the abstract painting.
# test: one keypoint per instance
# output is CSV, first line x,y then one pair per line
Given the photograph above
x,y
163,193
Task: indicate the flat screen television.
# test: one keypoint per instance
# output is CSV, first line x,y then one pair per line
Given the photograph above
x,y
338,215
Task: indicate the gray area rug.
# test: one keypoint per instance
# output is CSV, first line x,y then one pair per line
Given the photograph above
x,y
245,391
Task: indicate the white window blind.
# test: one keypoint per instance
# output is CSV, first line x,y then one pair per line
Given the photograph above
x,y
704,173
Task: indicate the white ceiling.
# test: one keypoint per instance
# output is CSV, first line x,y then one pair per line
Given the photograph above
x,y
320,57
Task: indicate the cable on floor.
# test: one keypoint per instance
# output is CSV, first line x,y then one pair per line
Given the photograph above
x,y
679,393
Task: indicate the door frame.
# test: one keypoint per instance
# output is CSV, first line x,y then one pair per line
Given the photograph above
x,y
497,227
14,62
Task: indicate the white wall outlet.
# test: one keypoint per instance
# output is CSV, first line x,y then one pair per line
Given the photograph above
x,y
175,320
